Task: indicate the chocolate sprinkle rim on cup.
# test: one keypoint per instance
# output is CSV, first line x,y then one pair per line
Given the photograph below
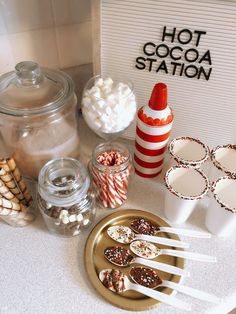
x,y
178,194
217,164
192,163
222,204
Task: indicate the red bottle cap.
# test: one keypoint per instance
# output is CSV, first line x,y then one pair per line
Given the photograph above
x,y
158,100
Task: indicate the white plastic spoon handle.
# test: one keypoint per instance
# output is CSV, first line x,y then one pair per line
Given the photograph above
x,y
195,293
185,232
162,297
190,255
160,240
161,266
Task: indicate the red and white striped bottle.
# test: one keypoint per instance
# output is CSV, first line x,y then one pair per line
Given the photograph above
x,y
152,133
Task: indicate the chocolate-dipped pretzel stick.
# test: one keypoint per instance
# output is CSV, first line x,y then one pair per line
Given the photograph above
x,y
5,203
6,193
10,175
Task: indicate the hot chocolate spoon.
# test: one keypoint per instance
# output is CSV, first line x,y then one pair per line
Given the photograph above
x,y
119,256
148,250
125,235
118,282
144,226
149,278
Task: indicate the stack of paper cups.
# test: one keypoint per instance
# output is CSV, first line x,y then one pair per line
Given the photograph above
x,y
152,133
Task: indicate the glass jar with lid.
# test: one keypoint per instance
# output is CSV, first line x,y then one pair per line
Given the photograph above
x,y
65,199
111,171
38,116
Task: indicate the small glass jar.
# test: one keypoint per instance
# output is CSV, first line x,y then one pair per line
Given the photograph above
x,y
109,105
38,116
64,196
111,181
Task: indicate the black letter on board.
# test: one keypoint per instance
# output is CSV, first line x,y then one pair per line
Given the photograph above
x,y
166,53
172,50
172,35
188,40
206,57
207,75
142,64
191,50
145,46
200,33
189,74
175,64
162,67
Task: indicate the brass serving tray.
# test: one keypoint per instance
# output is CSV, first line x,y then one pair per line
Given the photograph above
x,y
95,261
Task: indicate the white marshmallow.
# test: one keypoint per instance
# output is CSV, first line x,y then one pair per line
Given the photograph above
x,y
86,221
86,101
108,111
99,82
72,218
97,124
48,205
106,90
64,212
76,232
108,81
101,103
79,217
65,220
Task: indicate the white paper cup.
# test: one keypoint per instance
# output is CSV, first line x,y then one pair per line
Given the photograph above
x,y
223,161
188,151
221,214
185,187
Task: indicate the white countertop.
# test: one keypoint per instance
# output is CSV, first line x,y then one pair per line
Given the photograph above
x,y
44,274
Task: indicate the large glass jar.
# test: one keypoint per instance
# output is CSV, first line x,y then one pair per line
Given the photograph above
x,y
111,169
65,199
38,116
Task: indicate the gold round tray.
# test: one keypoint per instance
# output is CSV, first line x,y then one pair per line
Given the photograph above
x,y
95,261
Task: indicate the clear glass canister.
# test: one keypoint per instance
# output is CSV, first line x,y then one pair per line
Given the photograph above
x,y
38,116
111,169
64,196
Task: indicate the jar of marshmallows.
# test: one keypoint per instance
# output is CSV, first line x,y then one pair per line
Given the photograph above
x,y
108,105
64,197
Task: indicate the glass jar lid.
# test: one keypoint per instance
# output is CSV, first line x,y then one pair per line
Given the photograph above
x,y
31,90
63,182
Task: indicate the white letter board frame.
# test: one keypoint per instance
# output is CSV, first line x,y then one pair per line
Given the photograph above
x,y
205,109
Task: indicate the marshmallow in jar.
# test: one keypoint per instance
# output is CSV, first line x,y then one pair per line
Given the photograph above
x,y
108,106
221,214
223,161
152,133
188,151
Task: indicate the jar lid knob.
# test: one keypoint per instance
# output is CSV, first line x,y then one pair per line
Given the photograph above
x,y
28,73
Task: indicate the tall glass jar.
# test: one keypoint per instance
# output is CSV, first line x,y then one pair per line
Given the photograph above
x,y
64,197
38,116
111,170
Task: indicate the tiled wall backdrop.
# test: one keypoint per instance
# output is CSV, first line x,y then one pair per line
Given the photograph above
x,y
54,33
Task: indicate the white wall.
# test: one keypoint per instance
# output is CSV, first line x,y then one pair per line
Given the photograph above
x,y
54,33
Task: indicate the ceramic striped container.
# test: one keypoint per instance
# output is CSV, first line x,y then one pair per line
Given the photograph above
x,y
151,140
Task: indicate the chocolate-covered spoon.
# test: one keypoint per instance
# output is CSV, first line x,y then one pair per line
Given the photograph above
x,y
149,278
148,250
144,226
119,256
125,235
118,282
